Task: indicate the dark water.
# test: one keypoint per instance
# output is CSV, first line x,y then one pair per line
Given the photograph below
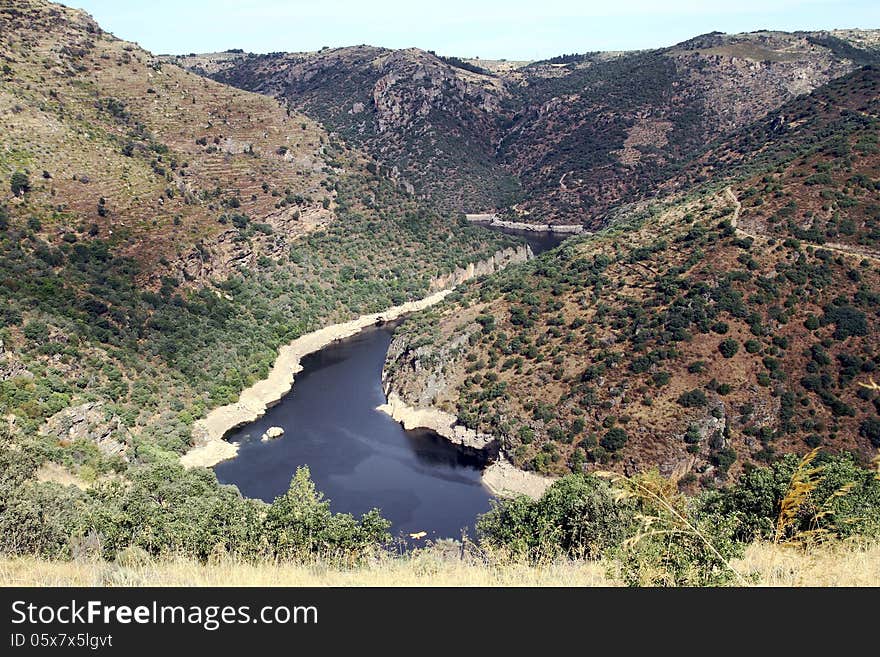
x,y
359,457
539,242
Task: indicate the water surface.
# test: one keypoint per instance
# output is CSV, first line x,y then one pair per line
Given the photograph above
x,y
359,457
539,241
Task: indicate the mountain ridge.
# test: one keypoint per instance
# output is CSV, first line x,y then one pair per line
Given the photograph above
x,y
562,140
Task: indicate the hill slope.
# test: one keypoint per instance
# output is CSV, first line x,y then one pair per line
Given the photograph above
x,y
699,335
561,141
433,124
162,234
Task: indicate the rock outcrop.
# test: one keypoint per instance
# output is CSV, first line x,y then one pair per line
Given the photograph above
x,y
89,421
493,221
497,262
271,434
506,480
445,424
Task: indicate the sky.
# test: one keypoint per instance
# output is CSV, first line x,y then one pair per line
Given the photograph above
x,y
491,29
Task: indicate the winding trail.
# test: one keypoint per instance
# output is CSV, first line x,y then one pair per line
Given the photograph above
x,y
837,248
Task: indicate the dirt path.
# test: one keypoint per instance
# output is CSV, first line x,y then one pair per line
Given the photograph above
x,y
837,248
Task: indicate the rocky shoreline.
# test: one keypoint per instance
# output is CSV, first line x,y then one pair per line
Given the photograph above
x,y
443,423
501,477
492,220
209,432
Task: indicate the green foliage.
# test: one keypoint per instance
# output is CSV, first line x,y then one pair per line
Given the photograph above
x,y
754,502
576,517
692,399
614,439
162,508
19,183
300,523
728,347
870,429
848,321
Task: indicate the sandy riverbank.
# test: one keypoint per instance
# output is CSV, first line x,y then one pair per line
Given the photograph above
x,y
506,480
208,433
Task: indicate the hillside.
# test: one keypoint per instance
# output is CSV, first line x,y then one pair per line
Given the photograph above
x,y
147,157
559,141
701,335
612,129
161,235
433,123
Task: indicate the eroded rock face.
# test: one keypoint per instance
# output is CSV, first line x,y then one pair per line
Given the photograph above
x,y
220,256
90,422
497,262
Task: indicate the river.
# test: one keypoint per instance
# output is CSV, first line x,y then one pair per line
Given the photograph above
x,y
359,457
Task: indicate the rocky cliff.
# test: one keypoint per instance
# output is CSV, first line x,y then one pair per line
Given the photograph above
x,y
497,262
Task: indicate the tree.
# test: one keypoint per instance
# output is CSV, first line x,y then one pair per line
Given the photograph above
x,y
20,183
692,398
870,429
300,523
577,516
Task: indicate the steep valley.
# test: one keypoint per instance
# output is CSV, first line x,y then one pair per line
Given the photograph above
x,y
691,344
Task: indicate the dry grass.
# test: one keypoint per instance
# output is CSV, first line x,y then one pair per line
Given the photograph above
x,y
841,564
846,564
421,570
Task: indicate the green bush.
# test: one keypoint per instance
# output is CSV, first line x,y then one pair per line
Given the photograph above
x,y
300,523
692,399
754,502
614,439
870,429
20,183
576,517
728,347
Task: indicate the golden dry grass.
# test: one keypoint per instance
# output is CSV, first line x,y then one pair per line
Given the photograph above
x,y
842,564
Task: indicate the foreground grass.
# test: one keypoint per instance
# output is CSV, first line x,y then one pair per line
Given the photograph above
x,y
844,564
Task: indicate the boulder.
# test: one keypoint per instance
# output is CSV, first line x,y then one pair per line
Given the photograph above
x,y
272,433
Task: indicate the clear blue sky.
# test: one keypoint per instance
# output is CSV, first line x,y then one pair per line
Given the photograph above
x,y
491,29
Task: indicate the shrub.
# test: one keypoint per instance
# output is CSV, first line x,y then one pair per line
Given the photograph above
x,y
673,544
614,439
755,501
20,183
36,331
576,517
300,523
728,347
848,321
870,429
692,399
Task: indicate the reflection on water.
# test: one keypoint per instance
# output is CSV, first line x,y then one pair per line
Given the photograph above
x,y
359,458
539,242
